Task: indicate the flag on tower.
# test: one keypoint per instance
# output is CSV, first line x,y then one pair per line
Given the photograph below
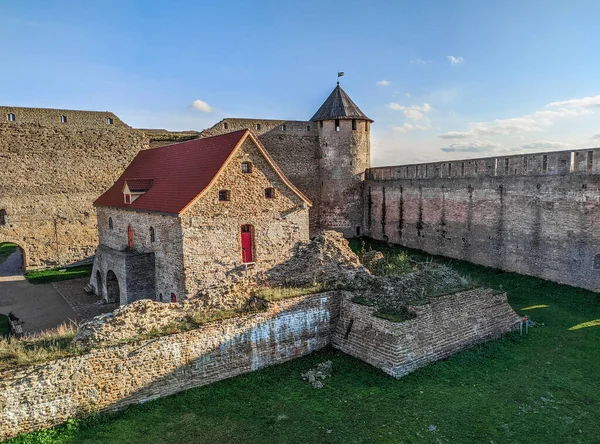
x,y
340,74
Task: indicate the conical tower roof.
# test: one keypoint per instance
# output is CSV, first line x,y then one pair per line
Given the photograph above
x,y
339,106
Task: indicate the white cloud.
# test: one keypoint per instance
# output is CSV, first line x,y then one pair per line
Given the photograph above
x,y
477,146
545,145
409,127
419,62
201,105
585,102
413,112
384,82
456,135
596,136
455,60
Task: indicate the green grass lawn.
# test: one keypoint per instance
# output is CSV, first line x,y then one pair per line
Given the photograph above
x,y
6,250
58,274
540,388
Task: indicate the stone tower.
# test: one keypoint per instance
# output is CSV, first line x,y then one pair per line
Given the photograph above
x,y
344,155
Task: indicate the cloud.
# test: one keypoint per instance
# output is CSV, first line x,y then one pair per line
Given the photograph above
x,y
413,112
456,135
419,62
477,146
585,102
596,136
545,145
384,82
455,60
409,127
201,105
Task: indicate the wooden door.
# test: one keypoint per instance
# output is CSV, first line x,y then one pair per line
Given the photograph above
x,y
130,237
247,247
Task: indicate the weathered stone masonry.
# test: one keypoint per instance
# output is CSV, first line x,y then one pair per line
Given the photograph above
x,y
536,214
110,378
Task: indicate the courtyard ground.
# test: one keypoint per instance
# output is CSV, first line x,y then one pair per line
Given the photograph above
x,y
44,306
541,388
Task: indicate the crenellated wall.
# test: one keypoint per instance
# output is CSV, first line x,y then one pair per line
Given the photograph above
x,y
535,214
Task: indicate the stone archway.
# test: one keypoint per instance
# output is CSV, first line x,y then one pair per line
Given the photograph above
x,y
12,259
113,291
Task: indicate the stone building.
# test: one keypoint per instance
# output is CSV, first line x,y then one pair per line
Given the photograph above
x,y
189,218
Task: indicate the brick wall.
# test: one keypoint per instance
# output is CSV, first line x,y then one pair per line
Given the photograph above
x,y
49,178
441,328
541,224
110,378
66,118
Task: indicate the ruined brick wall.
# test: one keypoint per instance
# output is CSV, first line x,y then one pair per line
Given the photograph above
x,y
51,173
294,146
212,252
111,378
533,214
167,249
441,328
345,155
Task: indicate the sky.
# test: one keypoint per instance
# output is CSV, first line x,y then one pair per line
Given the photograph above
x,y
442,80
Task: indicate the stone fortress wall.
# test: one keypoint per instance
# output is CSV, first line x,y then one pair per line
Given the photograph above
x,y
113,377
51,174
535,214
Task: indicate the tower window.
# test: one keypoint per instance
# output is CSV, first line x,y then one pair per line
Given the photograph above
x,y
269,193
225,125
321,123
110,223
545,163
109,121
525,166
283,127
353,124
63,119
246,167
307,127
590,161
337,124
258,126
506,162
11,117
224,195
2,217
152,235
367,126
462,169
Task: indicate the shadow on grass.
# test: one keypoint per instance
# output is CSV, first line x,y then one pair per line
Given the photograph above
x,y
58,274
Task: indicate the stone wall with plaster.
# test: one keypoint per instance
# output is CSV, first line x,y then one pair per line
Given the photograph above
x,y
111,378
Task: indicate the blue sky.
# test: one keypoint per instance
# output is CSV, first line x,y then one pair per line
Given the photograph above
x,y
442,79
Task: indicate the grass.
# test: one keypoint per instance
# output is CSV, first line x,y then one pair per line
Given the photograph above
x,y
541,388
58,274
41,347
6,250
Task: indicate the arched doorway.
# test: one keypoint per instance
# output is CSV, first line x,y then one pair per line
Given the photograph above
x,y
98,283
12,259
113,292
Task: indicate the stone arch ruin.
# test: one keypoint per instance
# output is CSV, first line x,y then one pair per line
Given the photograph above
x,y
113,290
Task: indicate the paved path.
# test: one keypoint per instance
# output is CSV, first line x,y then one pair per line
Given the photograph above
x,y
40,306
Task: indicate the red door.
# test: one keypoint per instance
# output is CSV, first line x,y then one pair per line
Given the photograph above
x,y
130,237
247,254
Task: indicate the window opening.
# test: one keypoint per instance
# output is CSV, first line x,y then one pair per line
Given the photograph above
x,y
572,162
337,124
258,126
545,163
269,193
11,117
506,165
246,167
152,234
2,217
590,161
223,195
110,223
353,124
63,119
225,125
130,238
109,121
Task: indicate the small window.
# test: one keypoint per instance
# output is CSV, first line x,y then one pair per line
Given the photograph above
x,y
283,127
109,121
353,124
246,167
269,193
506,165
545,163
462,168
225,125
152,235
258,126
449,170
11,117
525,166
2,217
127,198
337,124
366,125
224,195
590,161
597,262
572,162
307,127
357,231
321,123
110,223
63,119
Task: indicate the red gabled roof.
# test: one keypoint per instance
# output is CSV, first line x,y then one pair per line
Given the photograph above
x,y
178,174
